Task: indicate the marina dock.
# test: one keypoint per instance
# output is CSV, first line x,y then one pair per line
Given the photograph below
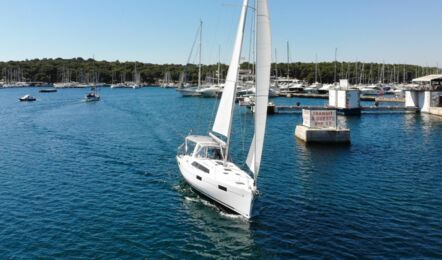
x,y
303,95
325,96
278,109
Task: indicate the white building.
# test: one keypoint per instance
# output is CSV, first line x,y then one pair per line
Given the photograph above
x,y
427,96
345,99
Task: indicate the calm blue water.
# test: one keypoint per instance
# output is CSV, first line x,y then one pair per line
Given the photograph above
x,y
100,181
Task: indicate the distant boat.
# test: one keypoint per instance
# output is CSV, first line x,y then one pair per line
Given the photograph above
x,y
167,81
119,85
137,78
189,92
47,90
66,85
192,91
210,91
372,90
92,96
325,88
134,85
27,98
313,88
204,161
214,89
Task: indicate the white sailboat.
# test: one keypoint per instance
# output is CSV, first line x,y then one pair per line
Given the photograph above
x,y
93,95
189,91
313,88
167,81
213,90
204,161
136,79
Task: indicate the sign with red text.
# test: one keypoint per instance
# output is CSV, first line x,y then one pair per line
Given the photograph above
x,y
319,118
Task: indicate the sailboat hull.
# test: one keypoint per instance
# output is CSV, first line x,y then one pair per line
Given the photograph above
x,y
215,186
188,92
210,92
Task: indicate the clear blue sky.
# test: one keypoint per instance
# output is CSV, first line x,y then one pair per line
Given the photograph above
x,y
162,31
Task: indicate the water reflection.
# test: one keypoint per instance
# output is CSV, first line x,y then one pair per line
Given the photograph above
x,y
428,122
229,233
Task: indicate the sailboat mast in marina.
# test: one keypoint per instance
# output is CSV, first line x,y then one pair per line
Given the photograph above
x,y
183,89
93,95
204,161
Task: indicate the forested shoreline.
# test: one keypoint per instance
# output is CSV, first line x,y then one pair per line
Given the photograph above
x,y
77,69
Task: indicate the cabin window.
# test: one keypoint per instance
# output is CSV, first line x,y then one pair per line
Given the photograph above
x,y
201,153
200,167
214,153
199,178
190,146
222,188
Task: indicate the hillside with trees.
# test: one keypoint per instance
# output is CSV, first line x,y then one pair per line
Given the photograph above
x,y
54,70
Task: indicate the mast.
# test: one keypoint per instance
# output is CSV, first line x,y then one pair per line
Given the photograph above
x,y
276,67
288,60
361,77
316,68
199,56
219,64
383,72
336,61
403,77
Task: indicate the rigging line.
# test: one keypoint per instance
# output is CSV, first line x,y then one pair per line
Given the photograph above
x,y
244,133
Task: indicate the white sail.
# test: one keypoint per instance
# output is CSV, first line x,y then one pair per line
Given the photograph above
x,y
223,120
263,66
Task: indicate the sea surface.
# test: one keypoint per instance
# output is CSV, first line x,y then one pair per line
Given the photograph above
x,y
100,180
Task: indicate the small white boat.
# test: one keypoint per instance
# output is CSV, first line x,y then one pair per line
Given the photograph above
x,y
118,85
27,98
210,91
325,88
189,92
313,88
371,90
135,85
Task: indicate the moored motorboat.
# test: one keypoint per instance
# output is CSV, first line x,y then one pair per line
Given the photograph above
x,y
47,90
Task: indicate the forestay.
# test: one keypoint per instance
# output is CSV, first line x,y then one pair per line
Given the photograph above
x,y
263,66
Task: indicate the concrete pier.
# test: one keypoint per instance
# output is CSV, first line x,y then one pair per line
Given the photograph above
x,y
276,109
320,126
312,135
435,111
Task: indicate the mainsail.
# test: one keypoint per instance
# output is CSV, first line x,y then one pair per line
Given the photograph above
x,y
263,67
223,120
